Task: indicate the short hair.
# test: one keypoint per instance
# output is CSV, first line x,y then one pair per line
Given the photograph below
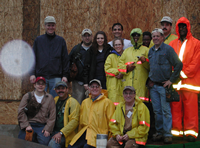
x,y
147,33
158,30
118,38
115,24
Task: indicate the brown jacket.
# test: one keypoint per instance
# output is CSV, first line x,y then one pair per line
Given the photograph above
x,y
46,114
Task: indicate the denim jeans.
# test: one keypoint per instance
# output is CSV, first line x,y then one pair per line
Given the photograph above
x,y
162,110
53,143
51,83
38,136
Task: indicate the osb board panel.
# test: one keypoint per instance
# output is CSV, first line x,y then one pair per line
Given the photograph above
x,y
8,112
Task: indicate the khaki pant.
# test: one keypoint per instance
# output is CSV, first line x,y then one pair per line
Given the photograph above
x,y
113,143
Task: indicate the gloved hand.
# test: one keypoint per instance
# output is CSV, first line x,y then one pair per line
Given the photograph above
x,y
130,67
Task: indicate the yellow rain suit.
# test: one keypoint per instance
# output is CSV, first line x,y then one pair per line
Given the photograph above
x,y
140,122
71,119
114,85
136,78
94,118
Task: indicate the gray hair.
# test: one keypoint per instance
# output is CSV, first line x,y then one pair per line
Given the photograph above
x,y
158,30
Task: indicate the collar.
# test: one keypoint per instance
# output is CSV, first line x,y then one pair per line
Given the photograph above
x,y
96,97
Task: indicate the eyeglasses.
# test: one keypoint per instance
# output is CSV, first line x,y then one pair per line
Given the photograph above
x,y
94,86
117,29
129,93
40,84
117,45
135,35
182,27
86,35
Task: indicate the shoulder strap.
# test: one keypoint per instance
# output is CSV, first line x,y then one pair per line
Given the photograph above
x,y
77,49
29,96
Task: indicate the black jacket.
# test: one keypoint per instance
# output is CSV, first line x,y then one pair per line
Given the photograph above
x,y
51,57
90,63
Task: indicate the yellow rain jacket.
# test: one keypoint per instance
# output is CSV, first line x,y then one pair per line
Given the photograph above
x,y
136,78
94,118
140,122
114,85
71,119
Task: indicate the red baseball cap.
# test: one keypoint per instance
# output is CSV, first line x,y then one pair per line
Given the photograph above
x,y
40,78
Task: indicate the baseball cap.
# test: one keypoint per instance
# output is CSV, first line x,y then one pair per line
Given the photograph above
x,y
49,19
61,83
86,31
129,87
95,80
166,19
157,30
40,78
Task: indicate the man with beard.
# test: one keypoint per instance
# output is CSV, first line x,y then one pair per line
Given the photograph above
x,y
166,26
185,112
117,30
77,56
67,117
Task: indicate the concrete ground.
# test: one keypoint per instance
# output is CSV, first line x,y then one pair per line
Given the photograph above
x,y
9,130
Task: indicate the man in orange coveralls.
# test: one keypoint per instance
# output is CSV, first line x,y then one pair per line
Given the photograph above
x,y
186,110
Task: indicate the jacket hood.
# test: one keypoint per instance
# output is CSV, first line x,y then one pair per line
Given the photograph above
x,y
115,52
187,22
139,42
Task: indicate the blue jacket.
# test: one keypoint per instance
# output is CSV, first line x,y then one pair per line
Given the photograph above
x,y
161,62
51,57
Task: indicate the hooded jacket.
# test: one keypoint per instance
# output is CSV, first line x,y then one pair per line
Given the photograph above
x,y
140,122
190,73
113,84
136,78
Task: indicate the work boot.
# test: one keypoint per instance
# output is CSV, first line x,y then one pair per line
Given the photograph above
x,y
157,137
191,138
168,140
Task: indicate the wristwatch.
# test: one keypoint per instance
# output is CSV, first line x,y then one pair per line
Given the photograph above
x,y
61,133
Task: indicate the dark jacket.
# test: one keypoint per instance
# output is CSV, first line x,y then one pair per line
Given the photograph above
x,y
78,55
90,63
51,57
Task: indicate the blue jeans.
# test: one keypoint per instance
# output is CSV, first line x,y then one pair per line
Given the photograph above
x,y
53,143
162,110
38,136
81,143
51,83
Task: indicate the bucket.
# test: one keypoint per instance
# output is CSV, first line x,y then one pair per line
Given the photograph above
x,y
101,140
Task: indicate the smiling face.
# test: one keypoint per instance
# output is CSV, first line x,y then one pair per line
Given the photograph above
x,y
129,96
95,89
87,39
117,31
100,39
182,30
157,39
40,86
118,46
62,92
50,28
146,40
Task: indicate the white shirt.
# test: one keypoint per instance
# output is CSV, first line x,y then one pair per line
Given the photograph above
x,y
38,98
127,43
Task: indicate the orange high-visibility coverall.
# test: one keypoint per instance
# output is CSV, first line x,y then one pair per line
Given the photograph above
x,y
186,110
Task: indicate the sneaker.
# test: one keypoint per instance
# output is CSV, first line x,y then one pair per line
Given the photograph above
x,y
168,140
191,138
157,137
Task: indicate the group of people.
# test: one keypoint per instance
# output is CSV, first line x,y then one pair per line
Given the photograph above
x,y
117,87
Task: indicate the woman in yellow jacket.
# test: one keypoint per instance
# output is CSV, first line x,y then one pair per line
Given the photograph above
x,y
71,119
135,72
130,121
113,76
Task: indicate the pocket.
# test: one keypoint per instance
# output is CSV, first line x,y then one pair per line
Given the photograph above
x,y
162,59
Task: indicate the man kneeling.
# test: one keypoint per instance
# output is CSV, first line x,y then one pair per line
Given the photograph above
x,y
130,122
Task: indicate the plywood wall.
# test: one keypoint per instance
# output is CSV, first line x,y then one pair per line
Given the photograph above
x,y
24,19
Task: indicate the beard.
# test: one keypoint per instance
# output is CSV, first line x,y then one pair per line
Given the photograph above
x,y
88,44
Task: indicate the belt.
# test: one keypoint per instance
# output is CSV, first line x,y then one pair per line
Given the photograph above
x,y
158,83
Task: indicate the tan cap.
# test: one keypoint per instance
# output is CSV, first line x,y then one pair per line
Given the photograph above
x,y
166,19
158,30
49,19
129,87
86,31
95,80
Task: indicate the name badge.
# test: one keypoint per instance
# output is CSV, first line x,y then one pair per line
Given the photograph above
x,y
63,109
129,114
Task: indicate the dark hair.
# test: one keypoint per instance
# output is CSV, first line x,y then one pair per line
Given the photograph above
x,y
117,24
147,33
95,44
118,38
